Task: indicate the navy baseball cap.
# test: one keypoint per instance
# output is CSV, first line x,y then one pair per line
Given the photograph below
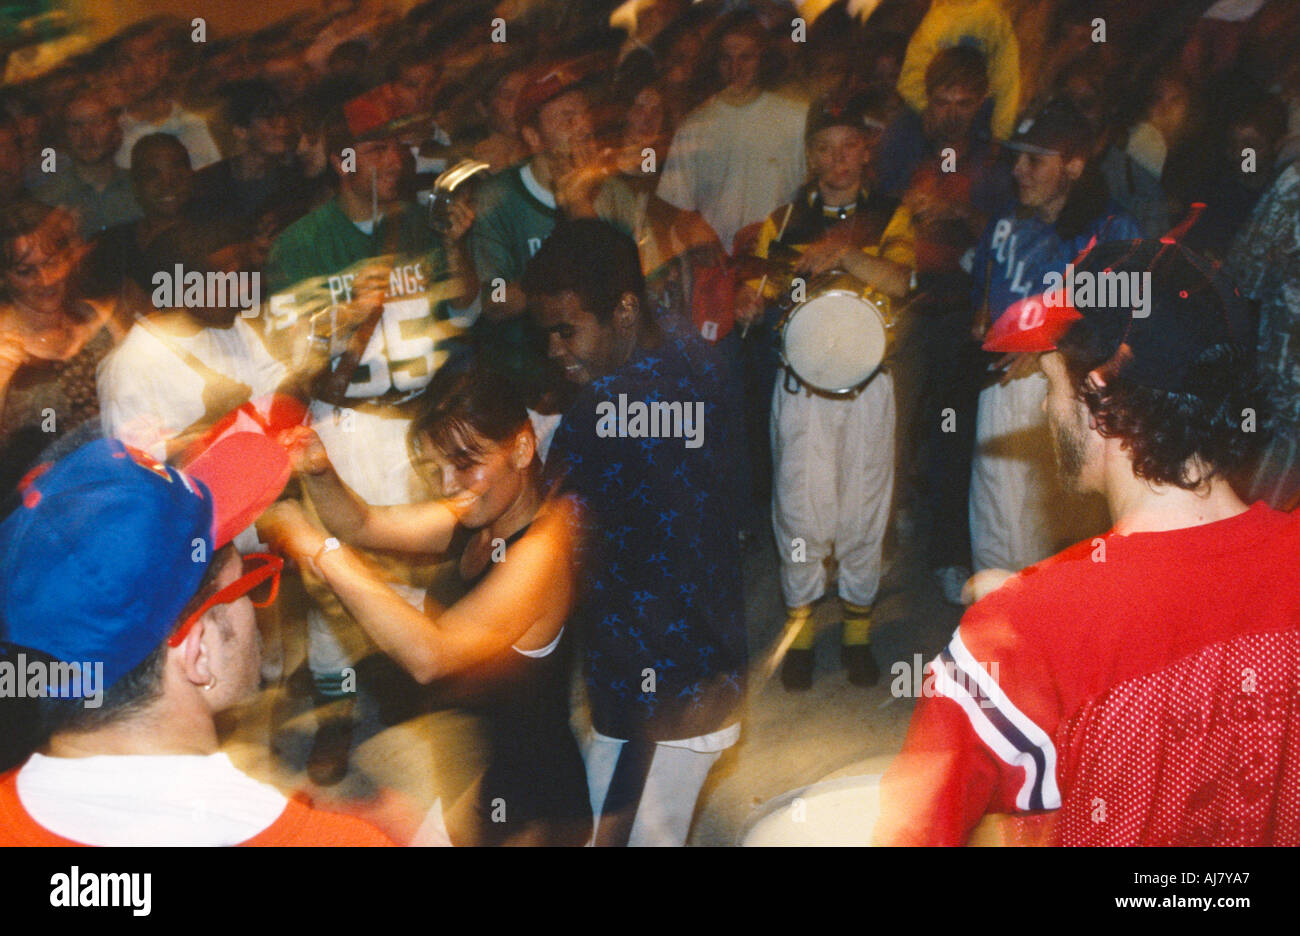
x,y
839,110
108,545
1186,307
1059,128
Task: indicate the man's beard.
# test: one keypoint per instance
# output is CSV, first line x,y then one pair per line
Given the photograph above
x,y
1070,447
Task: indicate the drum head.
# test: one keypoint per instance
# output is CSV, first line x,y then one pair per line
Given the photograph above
x,y
832,812
834,341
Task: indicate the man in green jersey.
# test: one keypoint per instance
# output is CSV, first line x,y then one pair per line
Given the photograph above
x,y
364,284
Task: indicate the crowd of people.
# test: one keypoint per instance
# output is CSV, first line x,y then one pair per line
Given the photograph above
x,y
511,294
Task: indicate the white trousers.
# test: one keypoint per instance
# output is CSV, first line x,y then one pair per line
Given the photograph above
x,y
370,454
833,480
662,792
1020,513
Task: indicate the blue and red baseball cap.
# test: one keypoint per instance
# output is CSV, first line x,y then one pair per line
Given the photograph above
x,y
108,545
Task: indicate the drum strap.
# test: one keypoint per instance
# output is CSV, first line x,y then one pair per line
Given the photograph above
x,y
791,383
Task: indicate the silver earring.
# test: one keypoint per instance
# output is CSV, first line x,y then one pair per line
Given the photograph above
x,y
211,684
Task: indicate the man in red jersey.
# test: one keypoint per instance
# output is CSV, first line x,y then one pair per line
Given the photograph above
x,y
126,626
1139,688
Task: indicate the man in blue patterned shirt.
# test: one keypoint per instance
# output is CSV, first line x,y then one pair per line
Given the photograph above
x,y
645,445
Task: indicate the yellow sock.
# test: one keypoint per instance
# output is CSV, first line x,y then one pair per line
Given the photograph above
x,y
801,617
857,625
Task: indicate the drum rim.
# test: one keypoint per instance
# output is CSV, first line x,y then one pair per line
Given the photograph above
x,y
769,807
885,326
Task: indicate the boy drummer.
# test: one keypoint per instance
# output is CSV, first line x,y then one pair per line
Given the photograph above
x,y
833,456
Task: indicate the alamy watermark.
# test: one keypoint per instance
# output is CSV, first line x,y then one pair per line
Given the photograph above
x,y
211,290
655,420
23,678
76,888
1109,289
916,681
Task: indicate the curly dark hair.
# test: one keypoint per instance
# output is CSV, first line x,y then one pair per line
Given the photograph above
x,y
1184,439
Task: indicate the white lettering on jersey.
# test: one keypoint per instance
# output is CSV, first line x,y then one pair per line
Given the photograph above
x,y
406,280
1000,232
410,359
341,287
1017,286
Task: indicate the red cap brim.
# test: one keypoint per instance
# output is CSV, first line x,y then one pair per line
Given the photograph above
x,y
271,415
245,473
1031,324
244,460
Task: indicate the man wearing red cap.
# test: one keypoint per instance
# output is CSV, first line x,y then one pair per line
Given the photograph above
x,y
1137,688
389,301
1018,513
519,207
122,566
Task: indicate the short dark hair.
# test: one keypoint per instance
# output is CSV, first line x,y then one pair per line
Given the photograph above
x,y
411,56
1179,438
958,67
157,141
592,259
250,100
23,217
746,23
464,402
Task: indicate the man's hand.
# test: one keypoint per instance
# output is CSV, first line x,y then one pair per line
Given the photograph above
x,y
983,583
822,256
748,305
369,290
287,530
582,173
460,218
306,450
924,206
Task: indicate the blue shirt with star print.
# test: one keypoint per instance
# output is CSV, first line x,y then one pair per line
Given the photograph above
x,y
661,611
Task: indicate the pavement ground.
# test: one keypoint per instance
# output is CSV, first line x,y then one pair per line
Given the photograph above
x,y
789,740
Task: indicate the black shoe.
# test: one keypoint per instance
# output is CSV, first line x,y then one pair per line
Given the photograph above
x,y
861,665
797,670
327,763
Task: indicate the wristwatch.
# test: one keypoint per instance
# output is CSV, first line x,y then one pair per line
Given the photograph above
x,y
330,545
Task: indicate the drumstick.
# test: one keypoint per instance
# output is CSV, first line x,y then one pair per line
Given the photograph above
x,y
782,648
762,284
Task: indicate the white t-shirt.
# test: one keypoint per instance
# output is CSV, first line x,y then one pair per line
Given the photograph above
x,y
148,394
1233,11
735,165
170,799
190,129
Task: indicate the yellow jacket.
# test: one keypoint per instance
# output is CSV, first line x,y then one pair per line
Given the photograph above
x,y
983,23
897,243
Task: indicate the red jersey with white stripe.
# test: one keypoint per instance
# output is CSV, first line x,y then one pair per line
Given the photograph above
x,y
1132,690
